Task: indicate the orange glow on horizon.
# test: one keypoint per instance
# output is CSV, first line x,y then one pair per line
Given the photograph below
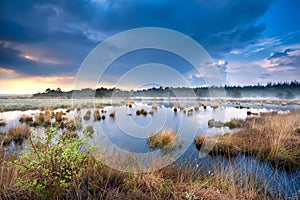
x,y
31,85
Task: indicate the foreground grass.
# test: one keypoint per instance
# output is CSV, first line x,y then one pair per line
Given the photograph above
x,y
273,137
60,170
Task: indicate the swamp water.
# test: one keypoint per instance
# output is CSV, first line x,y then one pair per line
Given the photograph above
x,y
129,132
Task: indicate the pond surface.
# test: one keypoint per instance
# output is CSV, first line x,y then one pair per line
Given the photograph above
x,y
129,132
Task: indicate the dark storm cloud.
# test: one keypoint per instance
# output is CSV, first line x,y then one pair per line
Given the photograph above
x,y
15,60
13,31
73,28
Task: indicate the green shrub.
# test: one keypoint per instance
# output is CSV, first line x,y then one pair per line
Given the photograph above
x,y
52,165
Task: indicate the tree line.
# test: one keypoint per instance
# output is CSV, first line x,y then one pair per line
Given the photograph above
x,y
286,90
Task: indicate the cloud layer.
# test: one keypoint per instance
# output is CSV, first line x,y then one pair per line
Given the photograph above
x,y
52,37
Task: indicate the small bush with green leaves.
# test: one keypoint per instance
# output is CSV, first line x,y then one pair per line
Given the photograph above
x,y
53,164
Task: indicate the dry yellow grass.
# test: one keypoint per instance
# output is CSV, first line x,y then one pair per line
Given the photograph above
x,y
163,138
272,136
18,133
173,182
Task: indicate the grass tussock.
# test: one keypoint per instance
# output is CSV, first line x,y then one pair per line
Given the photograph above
x,y
26,119
59,116
87,115
112,114
142,112
274,137
97,116
234,123
196,107
154,106
17,134
41,119
162,139
2,122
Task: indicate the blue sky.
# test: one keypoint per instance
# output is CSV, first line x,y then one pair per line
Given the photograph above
x,y
43,43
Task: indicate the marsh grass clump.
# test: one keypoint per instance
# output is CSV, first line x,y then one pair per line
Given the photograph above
x,y
215,106
138,112
144,112
222,146
198,141
5,139
213,123
19,133
196,107
154,107
26,119
175,108
59,116
162,139
97,116
112,114
42,119
204,105
269,137
225,147
190,112
2,122
234,123
129,104
87,115
182,107
47,120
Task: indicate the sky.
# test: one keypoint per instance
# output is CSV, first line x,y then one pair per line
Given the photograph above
x,y
43,43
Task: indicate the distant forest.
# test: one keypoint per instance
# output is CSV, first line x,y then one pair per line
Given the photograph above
x,y
285,90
